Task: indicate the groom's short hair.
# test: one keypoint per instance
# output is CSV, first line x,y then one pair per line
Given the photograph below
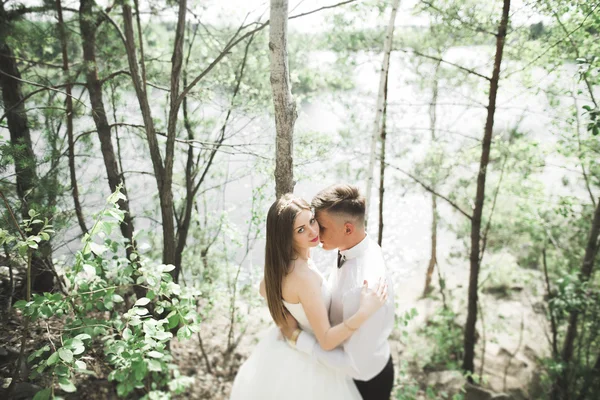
x,y
341,199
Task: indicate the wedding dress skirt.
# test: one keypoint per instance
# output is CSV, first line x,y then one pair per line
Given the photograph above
x,y
277,371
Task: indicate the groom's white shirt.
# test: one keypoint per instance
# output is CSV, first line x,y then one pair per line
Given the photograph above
x,y
367,351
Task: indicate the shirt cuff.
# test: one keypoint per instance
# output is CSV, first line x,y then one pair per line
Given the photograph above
x,y
306,342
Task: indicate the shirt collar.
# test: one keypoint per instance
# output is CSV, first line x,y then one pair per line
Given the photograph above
x,y
357,250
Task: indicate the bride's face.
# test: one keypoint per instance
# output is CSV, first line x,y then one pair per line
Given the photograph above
x,y
306,231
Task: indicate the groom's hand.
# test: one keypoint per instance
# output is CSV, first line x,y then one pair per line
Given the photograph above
x,y
290,326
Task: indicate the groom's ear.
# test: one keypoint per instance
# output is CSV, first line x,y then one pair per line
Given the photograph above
x,y
348,228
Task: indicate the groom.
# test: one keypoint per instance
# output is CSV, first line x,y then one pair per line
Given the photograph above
x,y
340,211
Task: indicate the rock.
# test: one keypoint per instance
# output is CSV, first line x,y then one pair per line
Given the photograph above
x,y
21,391
479,393
8,355
450,381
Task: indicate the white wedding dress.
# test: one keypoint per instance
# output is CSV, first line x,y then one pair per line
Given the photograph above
x,y
277,371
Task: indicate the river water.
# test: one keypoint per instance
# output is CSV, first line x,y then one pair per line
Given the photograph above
x,y
333,131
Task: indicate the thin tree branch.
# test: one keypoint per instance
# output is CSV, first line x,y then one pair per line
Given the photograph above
x,y
470,71
576,50
431,190
233,43
554,44
489,221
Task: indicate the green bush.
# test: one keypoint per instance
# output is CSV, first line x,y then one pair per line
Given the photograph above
x,y
133,337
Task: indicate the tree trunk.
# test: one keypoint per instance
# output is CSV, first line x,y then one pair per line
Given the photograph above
x,y
24,157
433,255
588,382
283,101
94,86
387,49
69,115
192,168
163,182
561,386
469,339
172,252
382,159
434,214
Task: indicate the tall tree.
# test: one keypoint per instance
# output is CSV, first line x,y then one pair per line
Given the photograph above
x,y
382,137
64,40
24,157
283,101
469,338
376,134
560,389
434,212
88,21
163,171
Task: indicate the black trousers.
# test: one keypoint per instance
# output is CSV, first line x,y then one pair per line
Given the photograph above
x,y
380,387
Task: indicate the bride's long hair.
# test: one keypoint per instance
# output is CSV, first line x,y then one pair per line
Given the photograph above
x,y
279,250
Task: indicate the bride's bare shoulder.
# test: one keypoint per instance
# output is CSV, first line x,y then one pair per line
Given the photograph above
x,y
303,277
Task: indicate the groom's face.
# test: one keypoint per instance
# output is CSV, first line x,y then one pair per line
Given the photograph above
x,y
331,230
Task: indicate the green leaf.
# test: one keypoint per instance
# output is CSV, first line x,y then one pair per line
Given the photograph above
x,y
184,333
141,311
66,385
173,321
127,334
89,269
97,249
161,335
31,213
155,354
168,267
80,364
116,196
154,365
142,302
73,343
20,304
53,359
43,394
140,370
83,336
65,354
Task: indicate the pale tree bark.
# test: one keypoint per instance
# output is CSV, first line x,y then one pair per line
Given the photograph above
x,y
469,338
283,101
387,49
560,389
434,213
69,116
382,136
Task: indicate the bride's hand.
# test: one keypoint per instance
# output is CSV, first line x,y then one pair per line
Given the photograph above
x,y
372,300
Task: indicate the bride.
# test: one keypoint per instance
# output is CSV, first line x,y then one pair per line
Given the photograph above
x,y
292,284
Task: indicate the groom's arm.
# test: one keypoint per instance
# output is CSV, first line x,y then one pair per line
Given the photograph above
x,y
356,355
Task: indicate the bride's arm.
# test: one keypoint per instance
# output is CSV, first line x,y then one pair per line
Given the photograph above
x,y
309,292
